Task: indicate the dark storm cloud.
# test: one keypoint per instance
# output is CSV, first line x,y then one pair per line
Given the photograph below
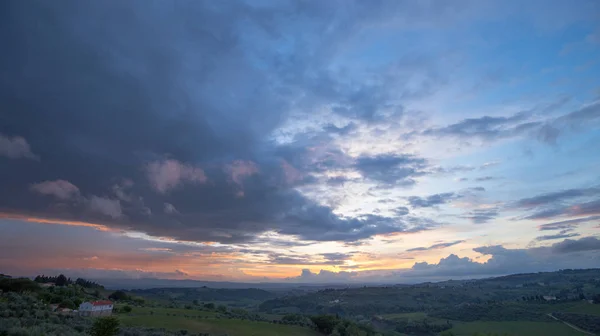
x,y
392,169
432,200
436,246
583,244
169,97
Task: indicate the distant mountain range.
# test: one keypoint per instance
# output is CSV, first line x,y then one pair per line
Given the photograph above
x,y
146,283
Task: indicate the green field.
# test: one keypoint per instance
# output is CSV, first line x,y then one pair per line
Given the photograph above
x,y
583,308
516,328
413,317
207,322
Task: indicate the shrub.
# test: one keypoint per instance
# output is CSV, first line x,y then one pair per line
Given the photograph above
x,y
105,326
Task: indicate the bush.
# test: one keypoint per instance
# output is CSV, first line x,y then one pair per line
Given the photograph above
x,y
105,326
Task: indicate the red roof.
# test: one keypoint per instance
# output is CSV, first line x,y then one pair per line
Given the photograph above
x,y
101,303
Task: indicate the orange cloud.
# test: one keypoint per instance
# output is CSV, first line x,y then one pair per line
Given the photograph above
x,y
42,220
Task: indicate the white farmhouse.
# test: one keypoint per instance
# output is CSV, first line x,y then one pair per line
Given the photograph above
x,y
96,308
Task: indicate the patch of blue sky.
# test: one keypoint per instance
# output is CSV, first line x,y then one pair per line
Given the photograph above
x,y
520,64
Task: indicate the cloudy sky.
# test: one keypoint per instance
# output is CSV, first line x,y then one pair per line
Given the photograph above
x,y
309,141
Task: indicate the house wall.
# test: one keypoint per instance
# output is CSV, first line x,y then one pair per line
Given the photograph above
x,y
87,309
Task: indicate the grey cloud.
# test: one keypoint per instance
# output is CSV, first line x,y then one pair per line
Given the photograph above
x,y
567,224
322,276
436,246
15,147
583,244
481,216
520,124
589,113
168,174
345,130
401,211
484,178
510,261
502,261
170,209
486,128
391,168
336,257
286,260
561,235
60,188
432,200
563,203
105,206
328,259
338,180
158,104
571,210
558,196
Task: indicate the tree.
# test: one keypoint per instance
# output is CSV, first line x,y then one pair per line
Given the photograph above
x,y
209,305
127,309
118,295
61,280
66,303
222,309
325,323
105,326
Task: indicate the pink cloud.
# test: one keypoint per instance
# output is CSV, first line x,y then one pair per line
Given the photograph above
x,y
290,173
60,189
15,148
240,169
168,174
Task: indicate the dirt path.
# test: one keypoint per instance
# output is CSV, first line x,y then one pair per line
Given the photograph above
x,y
572,326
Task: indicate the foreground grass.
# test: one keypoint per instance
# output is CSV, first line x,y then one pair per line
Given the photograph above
x,y
515,328
206,322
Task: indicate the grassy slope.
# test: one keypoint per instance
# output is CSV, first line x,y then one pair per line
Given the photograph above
x,y
517,328
164,311
208,324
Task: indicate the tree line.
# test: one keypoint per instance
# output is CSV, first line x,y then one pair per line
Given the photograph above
x,y
61,280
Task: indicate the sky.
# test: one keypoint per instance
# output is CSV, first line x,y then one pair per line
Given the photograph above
x,y
299,141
